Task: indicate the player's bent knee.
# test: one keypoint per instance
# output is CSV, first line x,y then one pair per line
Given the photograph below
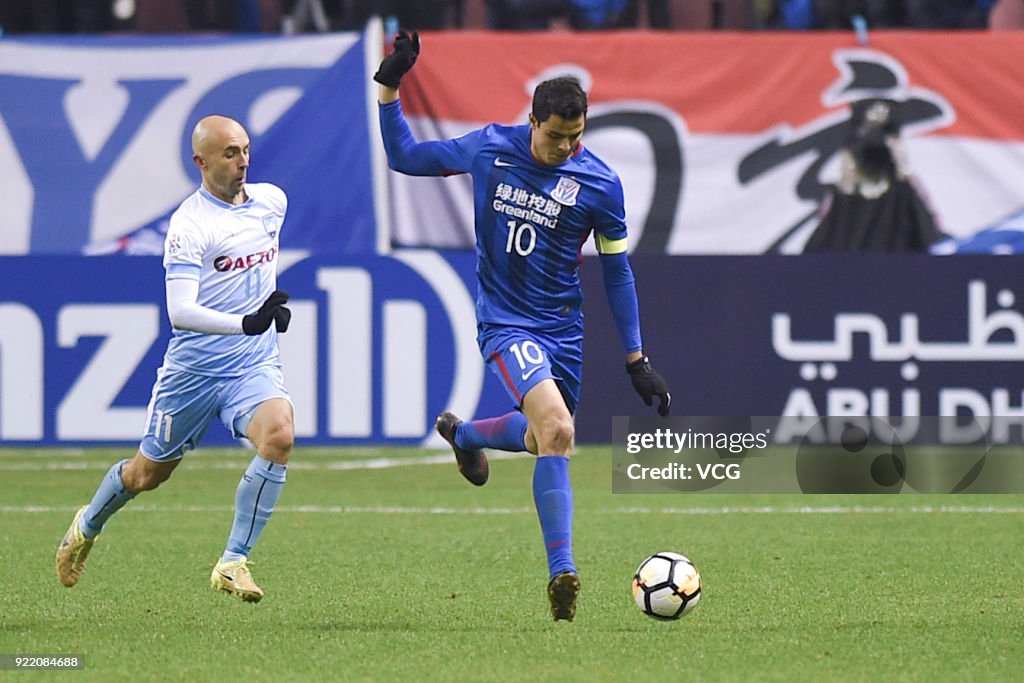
x,y
278,443
142,475
147,481
272,431
556,436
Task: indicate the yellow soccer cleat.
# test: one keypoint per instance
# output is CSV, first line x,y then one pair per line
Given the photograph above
x,y
73,550
235,578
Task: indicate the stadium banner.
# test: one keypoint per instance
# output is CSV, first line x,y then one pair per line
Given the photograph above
x,y
726,142
377,347
814,336
95,136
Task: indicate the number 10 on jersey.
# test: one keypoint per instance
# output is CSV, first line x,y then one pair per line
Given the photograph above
x,y
522,237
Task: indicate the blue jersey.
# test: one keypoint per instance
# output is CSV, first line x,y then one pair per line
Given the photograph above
x,y
531,220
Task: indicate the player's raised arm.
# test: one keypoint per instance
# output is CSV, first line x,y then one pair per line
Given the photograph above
x,y
405,154
404,52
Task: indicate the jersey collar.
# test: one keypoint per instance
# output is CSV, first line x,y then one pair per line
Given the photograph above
x,y
220,202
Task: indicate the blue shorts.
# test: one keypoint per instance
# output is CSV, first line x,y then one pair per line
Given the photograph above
x,y
184,404
523,358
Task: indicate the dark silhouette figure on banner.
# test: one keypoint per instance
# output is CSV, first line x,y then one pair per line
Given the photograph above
x,y
874,206
864,77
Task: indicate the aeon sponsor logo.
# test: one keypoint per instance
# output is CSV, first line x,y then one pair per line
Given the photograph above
x,y
226,263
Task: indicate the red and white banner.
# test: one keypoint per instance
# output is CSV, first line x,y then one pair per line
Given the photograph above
x,y
726,142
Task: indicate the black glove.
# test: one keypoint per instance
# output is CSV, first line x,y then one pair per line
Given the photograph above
x,y
259,322
403,55
282,317
648,383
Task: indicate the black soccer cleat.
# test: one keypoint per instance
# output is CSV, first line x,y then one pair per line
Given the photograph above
x,y
562,592
472,464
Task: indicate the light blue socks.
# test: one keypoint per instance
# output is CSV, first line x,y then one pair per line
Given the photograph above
x,y
110,497
255,498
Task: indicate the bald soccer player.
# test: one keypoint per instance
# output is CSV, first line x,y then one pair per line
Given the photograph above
x,y
220,258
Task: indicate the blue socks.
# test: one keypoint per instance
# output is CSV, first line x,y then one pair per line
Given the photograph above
x,y
110,497
255,497
552,494
506,433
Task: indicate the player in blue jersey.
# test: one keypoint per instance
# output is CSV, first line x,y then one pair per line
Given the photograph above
x,y
220,258
538,196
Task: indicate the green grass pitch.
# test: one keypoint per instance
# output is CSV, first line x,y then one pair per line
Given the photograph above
x,y
386,565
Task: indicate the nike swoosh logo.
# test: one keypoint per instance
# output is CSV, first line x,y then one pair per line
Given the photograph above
x,y
499,162
226,576
526,375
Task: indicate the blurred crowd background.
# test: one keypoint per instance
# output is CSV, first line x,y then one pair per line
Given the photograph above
x,y
295,16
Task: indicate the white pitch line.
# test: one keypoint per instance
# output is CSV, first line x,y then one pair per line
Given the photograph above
x,y
445,458
403,510
300,509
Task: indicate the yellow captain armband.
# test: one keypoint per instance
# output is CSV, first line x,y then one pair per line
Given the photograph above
x,y
609,246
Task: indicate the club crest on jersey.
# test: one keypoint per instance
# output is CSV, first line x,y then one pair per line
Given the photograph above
x,y
272,223
565,191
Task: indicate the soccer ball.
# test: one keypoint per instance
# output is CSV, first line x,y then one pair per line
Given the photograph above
x,y
666,586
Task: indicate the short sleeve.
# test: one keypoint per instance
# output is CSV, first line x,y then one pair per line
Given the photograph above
x,y
183,248
610,219
277,200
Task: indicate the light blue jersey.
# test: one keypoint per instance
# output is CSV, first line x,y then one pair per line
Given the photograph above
x,y
232,252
